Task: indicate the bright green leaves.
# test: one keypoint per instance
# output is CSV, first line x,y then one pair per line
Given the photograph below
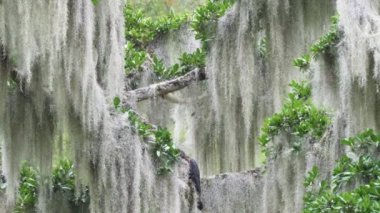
x,y
188,62
363,142
300,91
163,148
298,117
64,182
206,15
323,45
327,41
140,29
355,182
133,58
311,176
63,179
116,102
28,189
170,22
165,73
302,62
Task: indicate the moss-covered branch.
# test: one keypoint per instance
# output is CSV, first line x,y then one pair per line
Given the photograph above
x,y
166,87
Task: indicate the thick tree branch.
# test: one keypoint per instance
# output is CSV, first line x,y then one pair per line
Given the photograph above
x,y
166,87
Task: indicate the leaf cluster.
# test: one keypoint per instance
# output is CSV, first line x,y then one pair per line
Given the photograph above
x,y
28,189
63,179
328,40
323,45
134,58
64,182
163,148
355,182
141,29
302,62
208,14
188,62
299,117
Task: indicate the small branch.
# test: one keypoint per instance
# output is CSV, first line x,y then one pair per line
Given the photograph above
x,y
166,87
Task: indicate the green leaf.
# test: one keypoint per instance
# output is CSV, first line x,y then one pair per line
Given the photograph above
x,y
116,102
95,2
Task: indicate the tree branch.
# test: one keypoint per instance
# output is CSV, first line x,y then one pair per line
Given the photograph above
x,y
166,87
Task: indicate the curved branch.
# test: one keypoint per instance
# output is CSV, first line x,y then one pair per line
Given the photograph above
x,y
166,87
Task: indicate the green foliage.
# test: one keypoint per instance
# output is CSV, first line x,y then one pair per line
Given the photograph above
x,y
64,182
140,29
170,22
302,62
188,62
95,2
363,142
64,176
165,73
311,176
116,102
298,117
133,58
323,45
262,48
355,183
28,189
163,148
157,8
328,40
63,179
208,14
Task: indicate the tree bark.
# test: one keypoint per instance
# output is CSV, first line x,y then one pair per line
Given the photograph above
x,y
166,87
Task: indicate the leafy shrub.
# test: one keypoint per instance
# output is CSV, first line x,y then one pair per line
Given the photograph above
x,y
298,117
64,182
163,148
323,45
140,29
28,189
133,58
188,62
165,73
206,15
328,40
364,170
302,62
